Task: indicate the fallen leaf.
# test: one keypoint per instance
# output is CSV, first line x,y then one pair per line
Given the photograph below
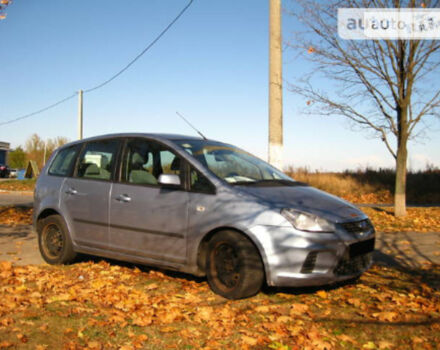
x,y
249,340
152,286
41,347
298,309
94,345
385,316
22,338
384,344
322,293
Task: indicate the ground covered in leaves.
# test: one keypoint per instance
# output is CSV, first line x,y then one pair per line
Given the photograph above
x,y
13,215
416,220
110,306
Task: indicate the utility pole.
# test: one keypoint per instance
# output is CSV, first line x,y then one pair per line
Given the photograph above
x,y
44,154
275,86
80,115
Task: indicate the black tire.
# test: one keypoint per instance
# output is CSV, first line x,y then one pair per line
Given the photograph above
x,y
233,266
54,241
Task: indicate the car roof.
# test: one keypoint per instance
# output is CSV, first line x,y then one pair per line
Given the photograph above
x,y
155,136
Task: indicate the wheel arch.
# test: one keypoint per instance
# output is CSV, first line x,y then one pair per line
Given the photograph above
x,y
203,245
44,214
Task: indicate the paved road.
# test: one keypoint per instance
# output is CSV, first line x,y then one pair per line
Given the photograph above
x,y
16,198
410,250
19,244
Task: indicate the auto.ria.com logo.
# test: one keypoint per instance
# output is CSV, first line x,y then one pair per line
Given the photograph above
x,y
389,24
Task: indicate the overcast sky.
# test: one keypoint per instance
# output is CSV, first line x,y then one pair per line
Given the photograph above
x,y
212,67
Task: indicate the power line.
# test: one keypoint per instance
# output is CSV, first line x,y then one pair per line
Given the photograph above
x,y
40,110
110,79
143,51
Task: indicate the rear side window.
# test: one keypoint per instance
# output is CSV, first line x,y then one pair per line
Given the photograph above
x,y
98,160
64,161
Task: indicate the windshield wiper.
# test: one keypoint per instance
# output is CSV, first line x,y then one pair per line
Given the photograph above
x,y
269,182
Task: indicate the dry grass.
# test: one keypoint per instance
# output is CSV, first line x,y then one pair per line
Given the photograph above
x,y
373,186
344,186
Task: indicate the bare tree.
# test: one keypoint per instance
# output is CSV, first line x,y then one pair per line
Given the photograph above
x,y
34,148
39,150
385,86
3,5
53,144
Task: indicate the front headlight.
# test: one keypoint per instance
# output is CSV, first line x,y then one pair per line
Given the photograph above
x,y
307,222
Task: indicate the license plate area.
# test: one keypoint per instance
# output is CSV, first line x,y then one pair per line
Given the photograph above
x,y
361,248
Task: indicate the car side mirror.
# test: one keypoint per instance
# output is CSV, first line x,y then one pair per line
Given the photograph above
x,y
169,180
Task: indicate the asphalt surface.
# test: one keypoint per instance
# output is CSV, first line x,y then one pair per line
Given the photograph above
x,y
19,245
17,198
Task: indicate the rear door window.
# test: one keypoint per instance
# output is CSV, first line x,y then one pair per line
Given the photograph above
x,y
64,161
98,160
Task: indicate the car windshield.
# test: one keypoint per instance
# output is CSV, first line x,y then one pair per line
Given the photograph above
x,y
234,165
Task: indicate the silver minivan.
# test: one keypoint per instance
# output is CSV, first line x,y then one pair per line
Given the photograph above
x,y
198,206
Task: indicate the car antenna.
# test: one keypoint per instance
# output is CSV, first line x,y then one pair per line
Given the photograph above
x,y
192,126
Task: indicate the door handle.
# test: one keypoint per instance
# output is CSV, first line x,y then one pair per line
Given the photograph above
x,y
72,191
123,198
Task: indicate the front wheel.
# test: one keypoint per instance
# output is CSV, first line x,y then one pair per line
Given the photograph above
x,y
54,241
233,266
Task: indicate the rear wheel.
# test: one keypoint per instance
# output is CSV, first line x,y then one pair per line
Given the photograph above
x,y
233,266
54,241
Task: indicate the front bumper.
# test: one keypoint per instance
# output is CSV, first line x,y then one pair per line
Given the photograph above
x,y
295,259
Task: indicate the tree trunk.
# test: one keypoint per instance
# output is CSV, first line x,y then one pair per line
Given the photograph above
x,y
400,184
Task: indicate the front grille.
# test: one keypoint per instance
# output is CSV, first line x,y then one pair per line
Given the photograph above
x,y
356,259
352,266
309,263
361,248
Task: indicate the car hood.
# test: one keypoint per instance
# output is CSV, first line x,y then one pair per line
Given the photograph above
x,y
307,199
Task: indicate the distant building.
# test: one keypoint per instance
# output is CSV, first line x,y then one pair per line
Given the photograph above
x,y
4,149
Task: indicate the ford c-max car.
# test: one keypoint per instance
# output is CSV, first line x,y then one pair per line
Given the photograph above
x,y
198,206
